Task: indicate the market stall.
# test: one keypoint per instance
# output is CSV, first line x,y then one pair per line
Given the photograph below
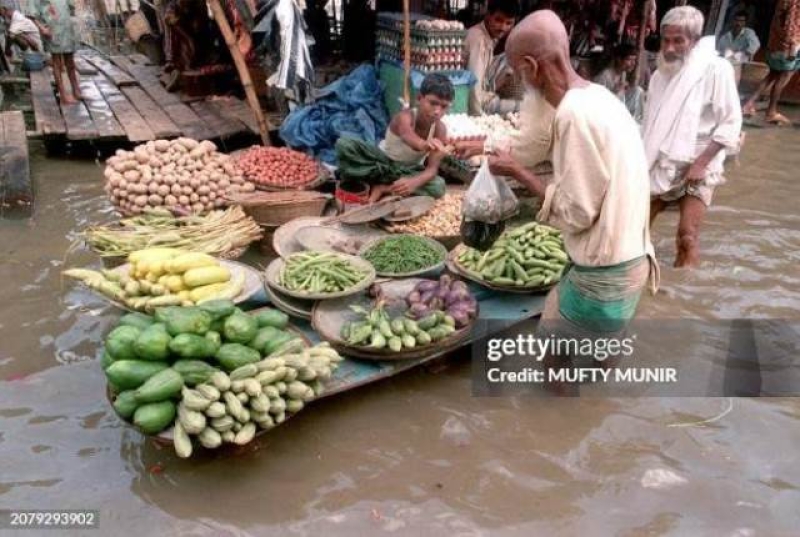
x,y
210,352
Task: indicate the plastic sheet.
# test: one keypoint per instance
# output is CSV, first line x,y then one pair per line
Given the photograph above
x,y
351,106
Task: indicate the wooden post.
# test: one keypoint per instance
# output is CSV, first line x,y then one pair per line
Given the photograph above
x,y
406,52
241,68
649,6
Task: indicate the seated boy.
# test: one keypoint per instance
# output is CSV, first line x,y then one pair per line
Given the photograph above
x,y
407,161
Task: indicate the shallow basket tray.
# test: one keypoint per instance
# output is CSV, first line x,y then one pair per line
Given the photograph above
x,y
454,266
272,213
433,269
252,282
329,317
294,307
273,270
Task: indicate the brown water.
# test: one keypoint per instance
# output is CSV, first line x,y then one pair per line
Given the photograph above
x,y
415,455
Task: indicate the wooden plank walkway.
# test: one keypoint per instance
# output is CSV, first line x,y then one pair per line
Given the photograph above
x,y
136,128
115,74
49,120
102,114
84,68
79,122
16,190
125,101
162,125
224,125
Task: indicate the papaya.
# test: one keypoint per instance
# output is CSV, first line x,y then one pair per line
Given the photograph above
x,y
234,355
192,346
191,320
106,360
277,341
120,342
125,404
139,320
218,309
153,343
152,418
194,372
271,317
160,387
214,338
130,374
239,328
262,337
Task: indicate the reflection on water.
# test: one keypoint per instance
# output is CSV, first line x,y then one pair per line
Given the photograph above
x,y
415,455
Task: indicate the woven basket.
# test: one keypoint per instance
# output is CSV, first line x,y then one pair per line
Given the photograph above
x,y
272,209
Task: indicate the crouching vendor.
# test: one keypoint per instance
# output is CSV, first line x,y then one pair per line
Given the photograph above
x,y
407,161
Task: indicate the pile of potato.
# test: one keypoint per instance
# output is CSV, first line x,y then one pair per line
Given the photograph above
x,y
183,175
442,220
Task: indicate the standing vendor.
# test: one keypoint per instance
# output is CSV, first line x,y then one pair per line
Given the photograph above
x,y
599,193
479,48
407,161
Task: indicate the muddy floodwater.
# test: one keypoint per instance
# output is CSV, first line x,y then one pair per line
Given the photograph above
x,y
415,455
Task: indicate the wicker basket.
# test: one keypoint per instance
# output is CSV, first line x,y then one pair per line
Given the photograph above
x,y
272,209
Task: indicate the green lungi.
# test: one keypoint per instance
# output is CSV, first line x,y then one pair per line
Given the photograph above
x,y
367,163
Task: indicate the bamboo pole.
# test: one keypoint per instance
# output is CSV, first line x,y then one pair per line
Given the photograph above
x,y
406,52
649,5
241,68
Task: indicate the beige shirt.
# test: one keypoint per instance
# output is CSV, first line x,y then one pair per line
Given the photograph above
x,y
600,194
479,51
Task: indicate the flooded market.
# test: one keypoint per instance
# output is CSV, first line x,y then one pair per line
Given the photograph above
x,y
278,280
415,454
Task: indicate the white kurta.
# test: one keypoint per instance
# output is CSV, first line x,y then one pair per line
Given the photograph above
x,y
479,51
715,100
599,197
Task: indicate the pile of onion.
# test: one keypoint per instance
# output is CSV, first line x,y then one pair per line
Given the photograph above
x,y
183,175
278,167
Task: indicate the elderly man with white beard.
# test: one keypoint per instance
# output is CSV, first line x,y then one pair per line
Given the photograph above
x,y
692,120
599,194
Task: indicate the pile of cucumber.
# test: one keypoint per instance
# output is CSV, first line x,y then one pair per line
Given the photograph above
x,y
230,408
532,255
148,360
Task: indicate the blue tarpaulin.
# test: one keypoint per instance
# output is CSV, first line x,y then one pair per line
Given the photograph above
x,y
351,106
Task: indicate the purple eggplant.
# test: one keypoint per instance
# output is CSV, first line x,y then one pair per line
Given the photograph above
x,y
459,285
418,310
425,286
427,296
461,317
445,280
413,297
436,303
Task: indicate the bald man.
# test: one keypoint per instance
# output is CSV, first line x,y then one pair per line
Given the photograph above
x,y
600,193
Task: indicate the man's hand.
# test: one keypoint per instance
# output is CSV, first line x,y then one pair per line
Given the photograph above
x,y
502,163
437,149
377,192
468,148
405,186
696,172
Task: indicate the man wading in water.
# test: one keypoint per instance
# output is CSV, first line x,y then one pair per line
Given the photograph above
x,y
692,119
599,194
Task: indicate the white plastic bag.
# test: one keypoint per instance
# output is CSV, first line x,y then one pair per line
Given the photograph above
x,y
488,203
489,199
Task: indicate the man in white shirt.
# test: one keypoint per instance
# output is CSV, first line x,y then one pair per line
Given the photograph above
x,y
740,43
479,48
599,193
22,31
692,120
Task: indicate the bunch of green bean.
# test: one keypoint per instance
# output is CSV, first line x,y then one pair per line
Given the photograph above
x,y
320,272
403,254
